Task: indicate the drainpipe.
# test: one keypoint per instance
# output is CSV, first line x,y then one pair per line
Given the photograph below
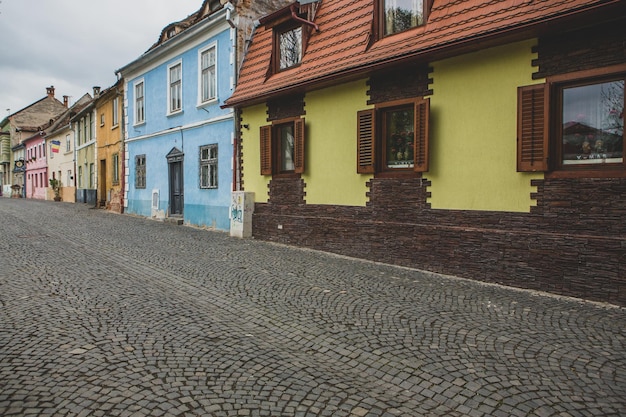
x,y
295,16
123,153
229,9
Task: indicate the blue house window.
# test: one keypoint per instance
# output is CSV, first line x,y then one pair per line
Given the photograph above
x,y
208,166
208,82
175,88
140,113
140,171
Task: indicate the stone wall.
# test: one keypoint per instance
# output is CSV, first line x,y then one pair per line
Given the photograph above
x,y
572,243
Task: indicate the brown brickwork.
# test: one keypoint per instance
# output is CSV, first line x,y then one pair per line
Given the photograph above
x,y
595,47
573,243
405,83
286,107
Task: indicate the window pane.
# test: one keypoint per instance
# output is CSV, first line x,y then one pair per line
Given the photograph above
x,y
286,148
401,15
139,116
175,88
208,74
213,175
204,176
593,124
290,48
399,138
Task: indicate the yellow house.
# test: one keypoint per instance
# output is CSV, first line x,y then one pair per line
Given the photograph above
x,y
110,147
484,142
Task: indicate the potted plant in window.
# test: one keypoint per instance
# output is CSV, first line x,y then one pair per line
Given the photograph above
x,y
56,188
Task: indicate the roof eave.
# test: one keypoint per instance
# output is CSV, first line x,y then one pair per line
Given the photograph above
x,y
610,10
170,44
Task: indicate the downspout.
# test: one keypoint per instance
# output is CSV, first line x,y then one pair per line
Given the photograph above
x,y
123,152
235,74
295,16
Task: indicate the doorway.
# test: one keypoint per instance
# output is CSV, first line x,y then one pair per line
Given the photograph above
x,y
176,184
102,186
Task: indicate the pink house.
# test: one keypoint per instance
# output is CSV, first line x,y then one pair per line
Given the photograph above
x,y
36,182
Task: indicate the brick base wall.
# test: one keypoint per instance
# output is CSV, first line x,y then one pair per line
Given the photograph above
x,y
573,243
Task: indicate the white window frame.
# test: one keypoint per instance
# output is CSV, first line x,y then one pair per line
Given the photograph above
x,y
176,85
213,82
209,163
68,143
140,117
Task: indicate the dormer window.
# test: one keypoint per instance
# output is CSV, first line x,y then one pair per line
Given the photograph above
x,y
396,16
288,46
171,33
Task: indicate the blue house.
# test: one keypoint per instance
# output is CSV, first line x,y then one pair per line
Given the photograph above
x,y
179,141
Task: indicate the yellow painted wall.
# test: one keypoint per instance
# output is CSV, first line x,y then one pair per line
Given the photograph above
x,y
474,129
254,117
330,150
330,170
109,142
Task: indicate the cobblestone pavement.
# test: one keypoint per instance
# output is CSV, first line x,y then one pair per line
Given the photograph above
x,y
114,315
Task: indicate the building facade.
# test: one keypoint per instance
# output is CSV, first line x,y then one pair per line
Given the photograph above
x,y
110,147
477,143
83,125
179,139
36,166
25,124
60,147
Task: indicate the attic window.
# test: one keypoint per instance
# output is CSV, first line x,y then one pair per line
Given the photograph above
x,y
171,32
396,16
214,5
287,46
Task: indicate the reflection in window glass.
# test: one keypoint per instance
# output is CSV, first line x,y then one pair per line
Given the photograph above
x,y
290,48
593,123
399,137
286,148
401,15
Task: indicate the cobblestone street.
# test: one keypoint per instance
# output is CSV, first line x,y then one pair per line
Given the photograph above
x,y
114,315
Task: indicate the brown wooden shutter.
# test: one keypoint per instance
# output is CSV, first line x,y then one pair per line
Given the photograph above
x,y
366,134
532,141
420,146
266,150
298,146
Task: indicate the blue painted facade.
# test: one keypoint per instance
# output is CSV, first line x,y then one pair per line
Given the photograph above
x,y
180,134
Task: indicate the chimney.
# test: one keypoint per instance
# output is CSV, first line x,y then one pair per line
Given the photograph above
x,y
96,92
50,91
66,101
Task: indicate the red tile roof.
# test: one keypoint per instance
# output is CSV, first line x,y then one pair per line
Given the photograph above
x,y
344,48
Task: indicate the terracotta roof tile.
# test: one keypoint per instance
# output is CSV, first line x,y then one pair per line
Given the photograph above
x,y
343,45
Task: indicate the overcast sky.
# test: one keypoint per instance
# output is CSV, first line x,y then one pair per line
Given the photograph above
x,y
75,44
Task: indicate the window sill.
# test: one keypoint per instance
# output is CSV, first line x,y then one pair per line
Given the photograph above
x,y
207,103
286,175
588,173
398,174
174,113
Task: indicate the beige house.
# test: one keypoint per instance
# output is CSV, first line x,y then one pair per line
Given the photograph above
x,y
60,150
